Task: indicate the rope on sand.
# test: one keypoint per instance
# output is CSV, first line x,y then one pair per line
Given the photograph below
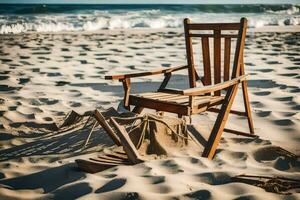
x,y
279,185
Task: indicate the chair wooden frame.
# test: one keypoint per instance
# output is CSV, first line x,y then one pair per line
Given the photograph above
x,y
204,98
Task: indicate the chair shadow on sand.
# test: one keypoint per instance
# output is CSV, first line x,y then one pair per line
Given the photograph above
x,y
67,144
57,182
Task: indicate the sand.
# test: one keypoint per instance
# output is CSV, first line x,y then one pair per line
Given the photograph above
x,y
45,75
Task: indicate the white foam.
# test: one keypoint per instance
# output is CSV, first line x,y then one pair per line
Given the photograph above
x,y
98,20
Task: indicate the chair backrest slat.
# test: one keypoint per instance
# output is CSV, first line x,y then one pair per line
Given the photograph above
x,y
227,48
190,55
214,26
206,61
218,32
212,35
238,56
217,58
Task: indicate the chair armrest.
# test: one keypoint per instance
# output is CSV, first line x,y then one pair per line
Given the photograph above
x,y
149,73
213,88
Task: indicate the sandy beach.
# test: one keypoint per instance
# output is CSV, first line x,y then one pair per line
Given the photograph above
x,y
43,76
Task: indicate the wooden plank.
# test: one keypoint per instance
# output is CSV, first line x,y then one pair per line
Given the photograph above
x,y
219,125
138,109
154,95
101,120
171,98
108,161
227,49
162,97
214,26
189,54
198,101
126,142
204,107
117,155
246,99
211,100
120,151
212,88
206,61
93,166
159,105
239,48
227,130
170,90
236,112
126,87
165,81
113,159
217,59
212,35
148,73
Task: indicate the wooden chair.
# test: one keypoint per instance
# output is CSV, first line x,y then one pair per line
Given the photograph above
x,y
199,99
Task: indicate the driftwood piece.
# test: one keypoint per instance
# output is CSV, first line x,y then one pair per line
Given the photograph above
x,y
279,185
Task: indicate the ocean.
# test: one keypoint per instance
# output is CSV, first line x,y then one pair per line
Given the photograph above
x,y
19,18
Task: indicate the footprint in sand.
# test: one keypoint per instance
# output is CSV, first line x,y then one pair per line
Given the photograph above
x,y
155,179
293,68
51,74
199,194
166,65
48,101
284,122
43,58
273,62
263,93
264,70
24,57
3,77
41,53
61,83
23,80
263,113
277,157
5,60
171,166
65,49
257,104
112,185
214,178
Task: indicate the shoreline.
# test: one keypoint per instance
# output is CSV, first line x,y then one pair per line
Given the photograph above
x,y
271,29
46,75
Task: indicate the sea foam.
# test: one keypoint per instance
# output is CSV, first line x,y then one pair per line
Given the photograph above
x,y
91,18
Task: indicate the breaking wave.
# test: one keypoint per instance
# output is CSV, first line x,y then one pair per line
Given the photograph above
x,y
55,18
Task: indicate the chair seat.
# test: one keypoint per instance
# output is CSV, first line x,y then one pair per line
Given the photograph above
x,y
174,103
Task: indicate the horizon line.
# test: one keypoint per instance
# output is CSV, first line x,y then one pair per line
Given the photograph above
x,y
35,3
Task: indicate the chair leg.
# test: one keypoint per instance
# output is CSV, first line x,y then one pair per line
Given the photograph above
x,y
126,87
247,107
126,142
137,109
101,120
219,125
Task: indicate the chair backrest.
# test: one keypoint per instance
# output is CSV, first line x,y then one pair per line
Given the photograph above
x,y
218,33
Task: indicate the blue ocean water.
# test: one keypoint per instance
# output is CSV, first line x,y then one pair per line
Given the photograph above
x,y
18,18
